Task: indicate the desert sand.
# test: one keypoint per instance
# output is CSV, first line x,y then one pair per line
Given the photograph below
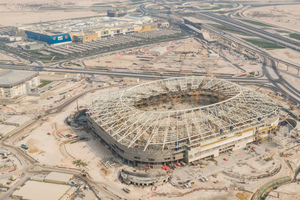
x,y
286,16
16,12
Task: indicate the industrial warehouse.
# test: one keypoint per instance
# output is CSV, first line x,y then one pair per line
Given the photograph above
x,y
181,120
88,29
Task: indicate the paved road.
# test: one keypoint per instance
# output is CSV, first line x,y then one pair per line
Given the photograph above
x,y
123,74
243,26
30,166
275,78
22,55
283,86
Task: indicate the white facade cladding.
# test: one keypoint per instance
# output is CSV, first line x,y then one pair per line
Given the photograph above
x,y
15,83
181,119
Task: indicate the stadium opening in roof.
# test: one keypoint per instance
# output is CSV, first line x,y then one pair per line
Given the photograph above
x,y
181,120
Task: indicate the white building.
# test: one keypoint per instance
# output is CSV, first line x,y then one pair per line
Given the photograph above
x,y
16,83
34,190
59,178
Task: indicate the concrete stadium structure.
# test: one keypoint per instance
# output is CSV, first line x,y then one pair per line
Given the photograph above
x,y
181,119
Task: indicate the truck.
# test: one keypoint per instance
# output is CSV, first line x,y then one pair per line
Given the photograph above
x,y
24,146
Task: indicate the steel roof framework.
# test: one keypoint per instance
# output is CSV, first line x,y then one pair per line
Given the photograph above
x,y
136,127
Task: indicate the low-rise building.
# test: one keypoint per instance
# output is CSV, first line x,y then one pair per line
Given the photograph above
x,y
15,83
34,190
149,27
30,45
116,13
5,129
10,38
60,178
85,37
163,24
17,120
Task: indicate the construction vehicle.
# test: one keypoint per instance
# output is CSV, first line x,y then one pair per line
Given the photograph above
x,y
268,158
24,146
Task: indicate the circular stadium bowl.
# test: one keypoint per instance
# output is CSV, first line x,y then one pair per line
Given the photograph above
x,y
171,117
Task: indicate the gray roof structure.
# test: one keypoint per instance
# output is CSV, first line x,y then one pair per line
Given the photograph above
x,y
4,129
10,78
17,120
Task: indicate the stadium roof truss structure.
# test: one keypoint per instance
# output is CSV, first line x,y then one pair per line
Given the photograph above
x,y
190,110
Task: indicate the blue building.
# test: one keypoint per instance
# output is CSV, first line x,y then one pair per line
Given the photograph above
x,y
49,37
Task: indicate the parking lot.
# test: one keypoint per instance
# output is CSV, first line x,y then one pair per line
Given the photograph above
x,y
109,43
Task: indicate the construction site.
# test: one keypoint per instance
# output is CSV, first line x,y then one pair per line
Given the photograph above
x,y
186,56
181,120
164,137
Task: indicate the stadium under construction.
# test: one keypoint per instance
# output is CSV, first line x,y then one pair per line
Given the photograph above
x,y
181,120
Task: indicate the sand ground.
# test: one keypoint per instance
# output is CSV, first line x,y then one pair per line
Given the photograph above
x,y
286,16
16,12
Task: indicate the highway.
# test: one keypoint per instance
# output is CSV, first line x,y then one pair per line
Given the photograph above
x,y
270,72
142,9
250,46
243,26
31,167
22,55
146,76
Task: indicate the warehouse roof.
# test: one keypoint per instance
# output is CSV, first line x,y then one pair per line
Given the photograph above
x,y
68,193
17,119
4,129
33,190
58,177
9,78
